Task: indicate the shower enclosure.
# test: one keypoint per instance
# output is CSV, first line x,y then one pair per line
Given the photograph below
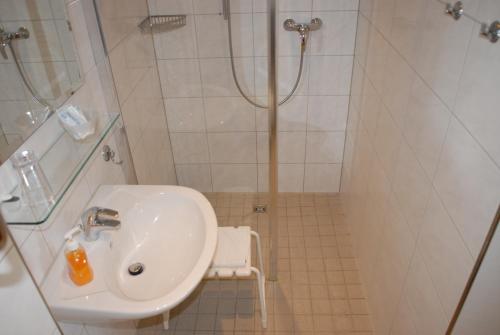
x,y
236,79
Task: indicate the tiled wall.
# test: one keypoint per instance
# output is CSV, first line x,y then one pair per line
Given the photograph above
x,y
219,141
39,245
421,169
17,288
131,54
48,58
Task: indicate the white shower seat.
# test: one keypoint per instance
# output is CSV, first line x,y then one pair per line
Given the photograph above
x,y
233,259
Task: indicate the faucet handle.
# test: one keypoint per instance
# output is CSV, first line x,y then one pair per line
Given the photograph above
x,y
96,219
103,213
107,217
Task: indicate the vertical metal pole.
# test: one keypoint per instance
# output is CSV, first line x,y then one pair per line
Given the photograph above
x,y
273,138
475,270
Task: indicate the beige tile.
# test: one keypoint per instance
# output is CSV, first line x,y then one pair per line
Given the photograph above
x,y
321,306
323,323
312,279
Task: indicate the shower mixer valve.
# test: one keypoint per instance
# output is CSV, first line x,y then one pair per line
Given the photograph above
x,y
303,28
7,37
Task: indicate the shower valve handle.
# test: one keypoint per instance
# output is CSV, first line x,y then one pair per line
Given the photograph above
x,y
7,37
291,25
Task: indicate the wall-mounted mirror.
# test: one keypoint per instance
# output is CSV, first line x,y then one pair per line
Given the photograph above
x,y
53,108
39,67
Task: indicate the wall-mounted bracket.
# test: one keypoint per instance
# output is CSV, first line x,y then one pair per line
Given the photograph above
x,y
456,11
491,32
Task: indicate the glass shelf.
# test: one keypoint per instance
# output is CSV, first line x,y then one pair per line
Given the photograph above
x,y
62,162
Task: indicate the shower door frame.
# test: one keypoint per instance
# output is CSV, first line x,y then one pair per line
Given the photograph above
x,y
273,105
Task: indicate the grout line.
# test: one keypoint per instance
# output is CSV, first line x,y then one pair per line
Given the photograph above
x,y
438,96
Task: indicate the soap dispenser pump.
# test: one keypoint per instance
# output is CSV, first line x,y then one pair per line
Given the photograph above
x,y
79,268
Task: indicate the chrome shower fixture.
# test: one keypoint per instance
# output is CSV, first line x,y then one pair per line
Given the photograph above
x,y
491,32
456,11
7,37
303,28
289,25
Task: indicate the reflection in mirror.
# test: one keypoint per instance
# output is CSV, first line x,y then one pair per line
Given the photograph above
x,y
39,67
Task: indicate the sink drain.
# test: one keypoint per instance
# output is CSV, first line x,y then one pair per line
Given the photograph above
x,y
136,269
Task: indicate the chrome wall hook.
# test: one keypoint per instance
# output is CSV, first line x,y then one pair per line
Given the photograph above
x,y
109,154
456,11
491,32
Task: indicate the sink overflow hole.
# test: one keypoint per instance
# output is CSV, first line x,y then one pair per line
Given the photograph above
x,y
136,269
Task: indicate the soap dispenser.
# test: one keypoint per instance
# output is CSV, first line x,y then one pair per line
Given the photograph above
x,y
79,268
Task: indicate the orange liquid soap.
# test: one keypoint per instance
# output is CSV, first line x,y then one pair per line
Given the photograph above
x,y
79,268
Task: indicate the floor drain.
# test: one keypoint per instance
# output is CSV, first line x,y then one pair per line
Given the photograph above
x,y
136,269
260,209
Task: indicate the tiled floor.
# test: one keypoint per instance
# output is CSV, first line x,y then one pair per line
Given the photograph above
x,y
318,289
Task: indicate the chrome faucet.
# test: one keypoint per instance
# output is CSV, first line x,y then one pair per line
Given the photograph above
x,y
303,28
97,219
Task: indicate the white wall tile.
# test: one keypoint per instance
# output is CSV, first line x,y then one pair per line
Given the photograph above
x,y
291,177
292,147
335,4
322,177
327,113
215,6
234,177
337,34
468,182
292,115
411,187
397,86
81,36
170,7
387,142
37,255
425,126
295,5
17,288
185,114
229,114
233,147
445,254
288,69
180,78
477,100
263,178
177,43
442,49
196,176
11,89
426,312
325,147
217,78
331,75
212,35
190,147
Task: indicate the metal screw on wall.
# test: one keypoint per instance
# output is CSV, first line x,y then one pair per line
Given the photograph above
x,y
109,154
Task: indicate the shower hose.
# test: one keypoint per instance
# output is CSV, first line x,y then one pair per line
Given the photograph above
x,y
233,67
28,83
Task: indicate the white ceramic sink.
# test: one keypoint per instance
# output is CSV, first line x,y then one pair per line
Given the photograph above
x,y
172,230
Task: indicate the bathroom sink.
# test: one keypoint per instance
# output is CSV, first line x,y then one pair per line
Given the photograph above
x,y
170,230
